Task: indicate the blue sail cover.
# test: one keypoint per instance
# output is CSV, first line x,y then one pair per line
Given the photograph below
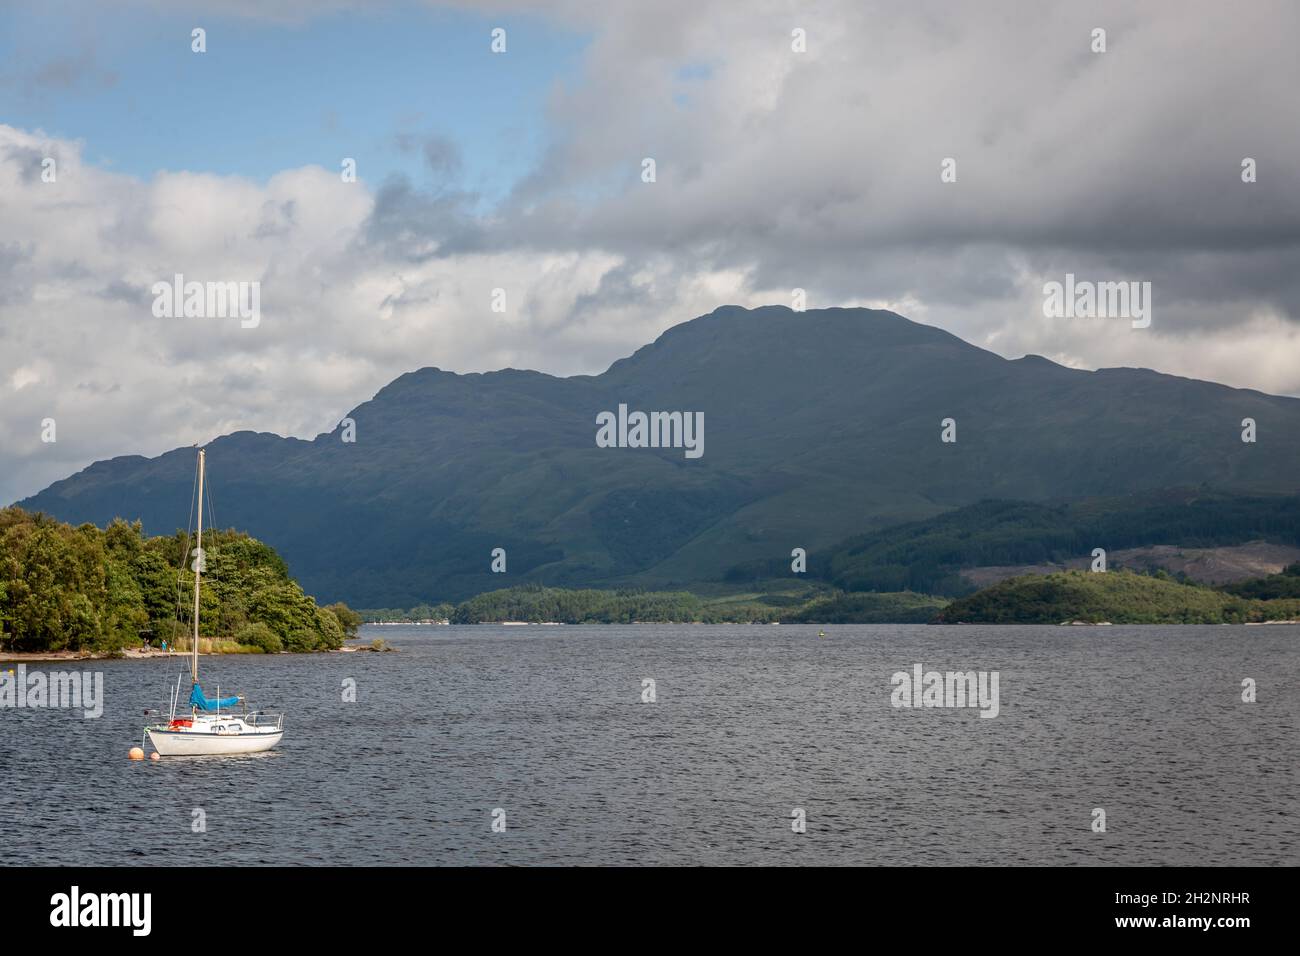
x,y
202,703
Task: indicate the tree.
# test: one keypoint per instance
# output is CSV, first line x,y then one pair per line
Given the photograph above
x,y
329,629
348,619
86,589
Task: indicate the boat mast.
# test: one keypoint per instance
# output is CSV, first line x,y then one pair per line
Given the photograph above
x,y
198,566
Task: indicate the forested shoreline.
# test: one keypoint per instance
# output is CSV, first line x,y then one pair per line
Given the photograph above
x,y
535,603
102,591
1120,597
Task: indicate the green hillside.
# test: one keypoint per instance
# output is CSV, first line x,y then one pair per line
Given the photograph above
x,y
928,555
1120,597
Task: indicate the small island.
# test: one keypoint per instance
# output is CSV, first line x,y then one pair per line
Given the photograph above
x,y
87,591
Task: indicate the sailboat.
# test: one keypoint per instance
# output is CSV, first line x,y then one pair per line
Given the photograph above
x,y
206,730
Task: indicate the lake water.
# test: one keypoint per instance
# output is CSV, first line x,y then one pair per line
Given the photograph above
x,y
750,723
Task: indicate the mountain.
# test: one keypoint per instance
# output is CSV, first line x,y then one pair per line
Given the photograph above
x,y
818,425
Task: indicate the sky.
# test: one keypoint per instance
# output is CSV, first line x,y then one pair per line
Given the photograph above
x,y
795,146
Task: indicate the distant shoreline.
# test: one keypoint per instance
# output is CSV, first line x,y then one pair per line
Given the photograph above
x,y
136,654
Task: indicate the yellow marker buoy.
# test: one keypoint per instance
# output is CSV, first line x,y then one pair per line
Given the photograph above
x,y
137,753
154,756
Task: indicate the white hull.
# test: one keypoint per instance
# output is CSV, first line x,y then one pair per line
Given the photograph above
x,y
189,743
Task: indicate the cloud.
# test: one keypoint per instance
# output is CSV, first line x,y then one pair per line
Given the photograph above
x,y
441,154
75,71
775,170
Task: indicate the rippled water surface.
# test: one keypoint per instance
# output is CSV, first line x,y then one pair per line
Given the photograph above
x,y
547,723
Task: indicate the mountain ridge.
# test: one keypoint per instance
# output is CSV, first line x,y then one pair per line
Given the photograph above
x,y
818,425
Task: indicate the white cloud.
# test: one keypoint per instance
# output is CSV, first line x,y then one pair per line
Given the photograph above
x,y
776,170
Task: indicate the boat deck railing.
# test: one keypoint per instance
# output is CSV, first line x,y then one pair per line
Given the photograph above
x,y
263,721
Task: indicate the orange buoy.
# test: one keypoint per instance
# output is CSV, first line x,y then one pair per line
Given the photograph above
x,y
154,756
137,753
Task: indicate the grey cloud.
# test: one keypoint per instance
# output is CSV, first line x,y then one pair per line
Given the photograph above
x,y
29,161
277,219
440,153
99,388
68,72
1063,155
415,225
15,286
126,292
442,156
